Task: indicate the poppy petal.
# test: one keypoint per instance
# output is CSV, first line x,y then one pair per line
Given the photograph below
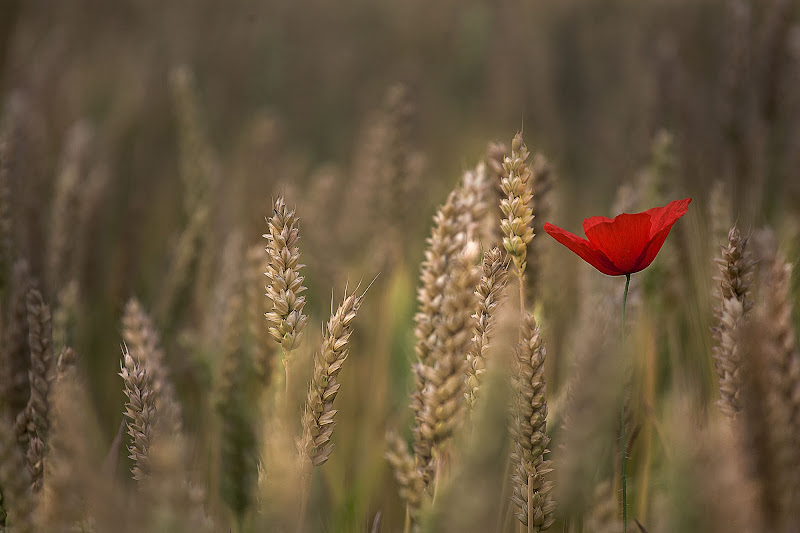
x,y
660,226
665,217
590,222
623,240
583,249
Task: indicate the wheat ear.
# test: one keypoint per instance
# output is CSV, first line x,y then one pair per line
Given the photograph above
x,y
70,476
532,489
143,343
516,207
41,376
66,205
488,292
318,418
140,409
782,375
285,284
15,359
736,270
443,322
409,479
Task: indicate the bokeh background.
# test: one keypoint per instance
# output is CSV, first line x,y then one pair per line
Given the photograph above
x,y
252,99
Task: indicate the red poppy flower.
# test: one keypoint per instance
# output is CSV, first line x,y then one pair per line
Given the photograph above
x,y
626,244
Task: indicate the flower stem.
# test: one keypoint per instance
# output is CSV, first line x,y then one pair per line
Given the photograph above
x,y
622,419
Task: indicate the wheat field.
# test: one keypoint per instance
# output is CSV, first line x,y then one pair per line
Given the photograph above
x,y
283,267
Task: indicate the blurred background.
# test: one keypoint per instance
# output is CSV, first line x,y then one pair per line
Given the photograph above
x,y
156,108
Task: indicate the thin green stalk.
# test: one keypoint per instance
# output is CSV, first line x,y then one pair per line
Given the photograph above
x,y
622,419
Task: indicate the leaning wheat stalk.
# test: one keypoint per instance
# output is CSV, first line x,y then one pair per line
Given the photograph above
x,y
319,416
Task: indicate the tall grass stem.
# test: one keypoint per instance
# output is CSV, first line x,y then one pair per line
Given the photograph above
x,y
622,418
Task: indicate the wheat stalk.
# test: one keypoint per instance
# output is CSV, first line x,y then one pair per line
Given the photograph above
x,y
237,435
532,489
443,321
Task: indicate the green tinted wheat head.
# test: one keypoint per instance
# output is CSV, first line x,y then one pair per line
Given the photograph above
x,y
516,205
489,294
532,489
736,270
285,284
237,435
65,315
443,322
198,176
197,162
140,409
